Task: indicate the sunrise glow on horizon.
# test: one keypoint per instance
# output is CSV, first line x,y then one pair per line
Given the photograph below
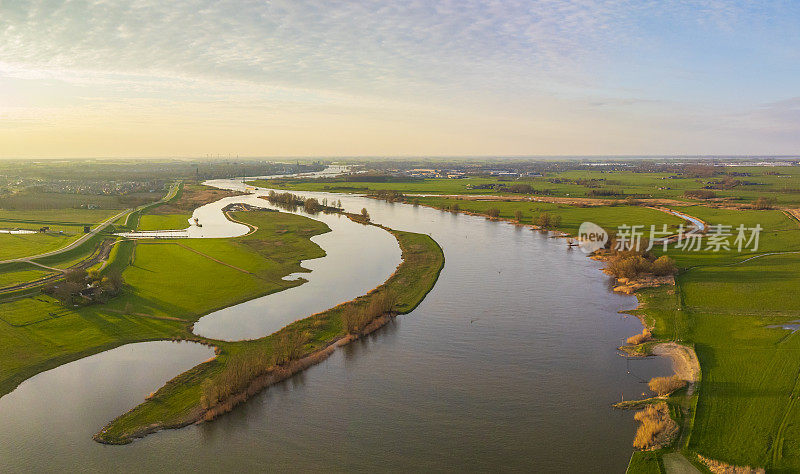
x,y
297,78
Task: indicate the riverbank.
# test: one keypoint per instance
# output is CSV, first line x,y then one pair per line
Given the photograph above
x,y
734,318
242,369
684,361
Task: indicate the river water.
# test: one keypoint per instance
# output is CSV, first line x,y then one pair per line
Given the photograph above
x,y
508,364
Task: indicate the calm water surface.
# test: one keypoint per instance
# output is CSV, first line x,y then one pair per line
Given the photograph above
x,y
358,258
509,363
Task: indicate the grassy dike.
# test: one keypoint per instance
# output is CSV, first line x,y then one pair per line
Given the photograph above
x,y
730,307
241,369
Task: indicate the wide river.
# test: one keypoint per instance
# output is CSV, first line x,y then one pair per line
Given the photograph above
x,y
508,364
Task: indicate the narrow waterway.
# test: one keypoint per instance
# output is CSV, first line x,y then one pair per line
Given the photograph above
x,y
508,364
358,258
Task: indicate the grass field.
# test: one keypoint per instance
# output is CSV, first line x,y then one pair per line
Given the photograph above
x,y
17,272
70,222
746,411
37,333
645,462
782,182
426,186
163,221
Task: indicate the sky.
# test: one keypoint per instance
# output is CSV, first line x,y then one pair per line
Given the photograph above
x,y
403,78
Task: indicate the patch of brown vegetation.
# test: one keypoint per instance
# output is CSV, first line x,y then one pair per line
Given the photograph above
x,y
636,269
656,429
631,286
356,317
637,339
718,467
663,386
192,197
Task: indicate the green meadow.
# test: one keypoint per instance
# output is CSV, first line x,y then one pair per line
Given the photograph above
x,y
780,182
731,307
37,333
422,186
169,284
66,226
163,221
181,401
728,305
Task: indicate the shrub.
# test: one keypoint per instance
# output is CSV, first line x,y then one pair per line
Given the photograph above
x,y
664,265
632,201
518,216
493,212
622,266
289,347
628,264
80,287
364,213
763,203
234,378
520,188
312,206
545,220
637,339
665,385
656,428
389,195
355,317
288,200
700,194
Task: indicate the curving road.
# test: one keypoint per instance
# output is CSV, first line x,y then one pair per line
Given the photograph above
x,y
170,194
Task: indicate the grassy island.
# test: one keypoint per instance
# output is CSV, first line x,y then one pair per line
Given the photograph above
x,y
243,368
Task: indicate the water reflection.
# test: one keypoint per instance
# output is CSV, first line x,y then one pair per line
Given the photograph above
x,y
508,364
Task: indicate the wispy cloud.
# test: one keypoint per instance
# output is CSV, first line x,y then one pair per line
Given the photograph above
x,y
575,62
343,45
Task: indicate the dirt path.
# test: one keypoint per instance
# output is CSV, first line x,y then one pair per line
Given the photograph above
x,y
212,258
676,463
253,228
44,266
793,214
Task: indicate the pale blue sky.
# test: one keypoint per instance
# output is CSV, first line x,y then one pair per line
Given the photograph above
x,y
153,78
